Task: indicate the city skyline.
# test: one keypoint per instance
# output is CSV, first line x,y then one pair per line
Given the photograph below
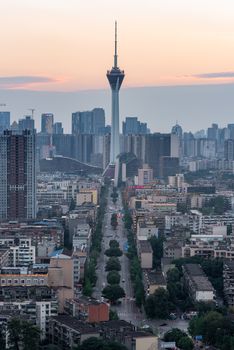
x,y
179,51
194,107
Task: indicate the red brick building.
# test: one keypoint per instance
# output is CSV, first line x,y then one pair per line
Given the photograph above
x,y
88,309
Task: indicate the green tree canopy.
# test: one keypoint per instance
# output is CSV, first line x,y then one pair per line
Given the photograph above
x,y
72,204
173,275
113,264
113,252
157,246
113,243
158,305
113,315
113,277
127,220
113,292
2,338
23,335
87,287
216,329
185,343
180,338
174,335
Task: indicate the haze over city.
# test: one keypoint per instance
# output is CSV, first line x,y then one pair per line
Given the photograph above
x,y
169,46
117,175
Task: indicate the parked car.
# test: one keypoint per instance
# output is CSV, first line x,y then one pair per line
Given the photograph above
x,y
173,316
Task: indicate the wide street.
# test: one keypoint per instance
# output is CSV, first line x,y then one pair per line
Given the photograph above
x,y
127,310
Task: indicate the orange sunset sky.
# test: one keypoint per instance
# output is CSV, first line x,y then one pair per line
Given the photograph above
x,y
67,45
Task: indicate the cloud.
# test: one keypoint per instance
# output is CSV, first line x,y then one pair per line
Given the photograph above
x,y
14,82
217,75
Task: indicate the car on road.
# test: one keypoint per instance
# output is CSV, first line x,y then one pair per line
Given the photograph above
x,y
173,316
132,299
163,325
123,280
145,326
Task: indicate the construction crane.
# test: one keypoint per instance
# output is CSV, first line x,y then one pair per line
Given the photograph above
x,y
32,111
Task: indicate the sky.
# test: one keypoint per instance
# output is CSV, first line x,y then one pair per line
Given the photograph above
x,y
66,46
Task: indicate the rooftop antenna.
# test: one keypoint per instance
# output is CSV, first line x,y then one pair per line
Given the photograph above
x,y
32,111
115,56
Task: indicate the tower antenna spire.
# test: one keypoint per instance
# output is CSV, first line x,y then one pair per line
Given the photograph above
x,y
116,56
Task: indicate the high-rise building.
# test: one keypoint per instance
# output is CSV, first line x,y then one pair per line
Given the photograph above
x,y
27,123
169,166
115,77
98,121
18,176
145,175
47,122
130,126
84,146
133,126
106,150
159,145
229,149
212,132
177,130
231,130
4,121
64,145
133,144
58,128
189,145
89,122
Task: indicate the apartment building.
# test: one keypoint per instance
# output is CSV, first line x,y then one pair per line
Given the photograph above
x,y
146,229
68,332
197,283
145,254
23,254
87,309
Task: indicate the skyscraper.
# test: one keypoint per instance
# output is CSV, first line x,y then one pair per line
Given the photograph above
x,y
26,123
158,146
89,122
47,122
98,121
115,77
58,128
18,178
4,121
132,126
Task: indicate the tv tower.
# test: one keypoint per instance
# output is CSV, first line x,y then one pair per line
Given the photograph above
x,y
115,77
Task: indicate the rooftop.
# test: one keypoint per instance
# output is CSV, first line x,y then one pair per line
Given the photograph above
x,y
202,283
118,324
87,301
154,277
145,247
198,277
140,334
79,326
193,269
